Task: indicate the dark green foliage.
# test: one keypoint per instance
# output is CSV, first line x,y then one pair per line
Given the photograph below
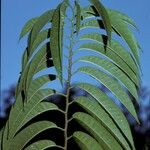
x,y
100,124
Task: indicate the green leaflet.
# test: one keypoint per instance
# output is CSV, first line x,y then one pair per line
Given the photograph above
x,y
15,110
39,58
37,83
110,107
97,112
113,86
44,65
22,86
57,37
113,70
78,17
105,17
93,127
124,17
41,37
119,25
55,41
109,52
40,23
91,24
24,136
36,110
41,145
33,67
125,32
17,86
89,12
116,47
1,137
24,59
28,27
23,115
86,142
5,135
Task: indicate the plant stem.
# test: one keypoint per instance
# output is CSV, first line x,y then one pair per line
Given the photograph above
x,y
69,80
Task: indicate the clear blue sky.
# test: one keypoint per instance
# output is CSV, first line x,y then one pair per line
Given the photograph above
x,y
15,13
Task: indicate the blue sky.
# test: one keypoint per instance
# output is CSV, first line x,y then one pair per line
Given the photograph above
x,y
15,13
